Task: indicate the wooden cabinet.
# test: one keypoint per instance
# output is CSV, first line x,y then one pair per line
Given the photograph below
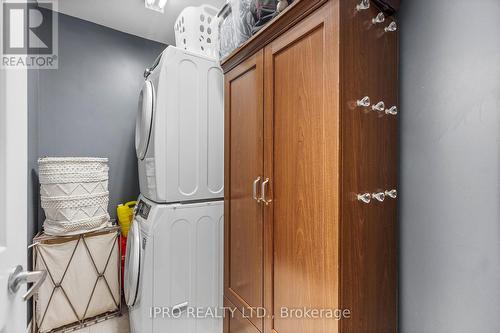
x,y
244,146
301,159
299,149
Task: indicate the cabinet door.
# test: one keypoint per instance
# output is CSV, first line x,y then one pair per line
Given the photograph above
x,y
301,160
243,278
236,322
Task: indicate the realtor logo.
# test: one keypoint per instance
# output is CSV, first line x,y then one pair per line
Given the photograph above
x,y
29,38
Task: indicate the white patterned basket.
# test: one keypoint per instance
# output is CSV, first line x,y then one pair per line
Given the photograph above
x,y
74,194
82,177
71,165
73,184
59,228
77,208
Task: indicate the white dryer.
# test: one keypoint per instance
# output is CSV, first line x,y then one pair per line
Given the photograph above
x,y
180,129
174,264
174,259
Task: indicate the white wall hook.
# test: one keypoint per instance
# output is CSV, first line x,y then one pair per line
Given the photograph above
x,y
379,196
379,107
393,194
391,27
380,18
364,102
365,198
392,111
363,5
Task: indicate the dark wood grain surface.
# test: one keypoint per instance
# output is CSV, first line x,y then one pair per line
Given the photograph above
x,y
302,161
244,163
369,164
318,246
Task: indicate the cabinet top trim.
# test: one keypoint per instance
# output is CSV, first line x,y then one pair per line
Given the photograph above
x,y
388,6
293,14
298,10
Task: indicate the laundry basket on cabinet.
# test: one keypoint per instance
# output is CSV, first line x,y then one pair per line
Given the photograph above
x,y
196,30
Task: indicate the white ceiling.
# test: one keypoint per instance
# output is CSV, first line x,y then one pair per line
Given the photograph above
x,y
131,16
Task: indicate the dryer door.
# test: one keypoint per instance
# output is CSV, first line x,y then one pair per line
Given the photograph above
x,y
144,121
132,264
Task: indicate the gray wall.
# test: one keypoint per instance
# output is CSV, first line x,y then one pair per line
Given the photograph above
x,y
450,135
88,106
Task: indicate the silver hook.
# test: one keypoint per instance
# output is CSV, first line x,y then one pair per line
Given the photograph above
x,y
364,102
379,196
363,5
380,18
393,194
379,107
392,111
391,27
365,198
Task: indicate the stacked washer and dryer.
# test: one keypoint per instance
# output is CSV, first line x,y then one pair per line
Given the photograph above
x,y
174,261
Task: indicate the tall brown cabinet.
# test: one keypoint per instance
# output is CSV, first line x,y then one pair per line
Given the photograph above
x,y
311,172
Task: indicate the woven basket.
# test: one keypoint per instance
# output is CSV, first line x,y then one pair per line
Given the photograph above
x,y
75,208
74,194
65,178
72,165
74,184
59,228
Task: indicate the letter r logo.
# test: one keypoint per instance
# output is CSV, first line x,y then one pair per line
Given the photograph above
x,y
27,28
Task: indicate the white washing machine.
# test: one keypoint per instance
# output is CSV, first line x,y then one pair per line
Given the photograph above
x,y
180,129
174,268
174,260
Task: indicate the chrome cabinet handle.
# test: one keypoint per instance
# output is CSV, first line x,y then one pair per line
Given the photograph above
x,y
18,277
379,107
363,5
379,196
391,27
254,189
393,194
365,198
263,190
392,111
380,18
364,102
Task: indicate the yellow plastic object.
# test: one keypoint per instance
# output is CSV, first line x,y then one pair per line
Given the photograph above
x,y
125,215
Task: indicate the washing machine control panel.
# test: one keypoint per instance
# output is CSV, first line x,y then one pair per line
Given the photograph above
x,y
143,209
